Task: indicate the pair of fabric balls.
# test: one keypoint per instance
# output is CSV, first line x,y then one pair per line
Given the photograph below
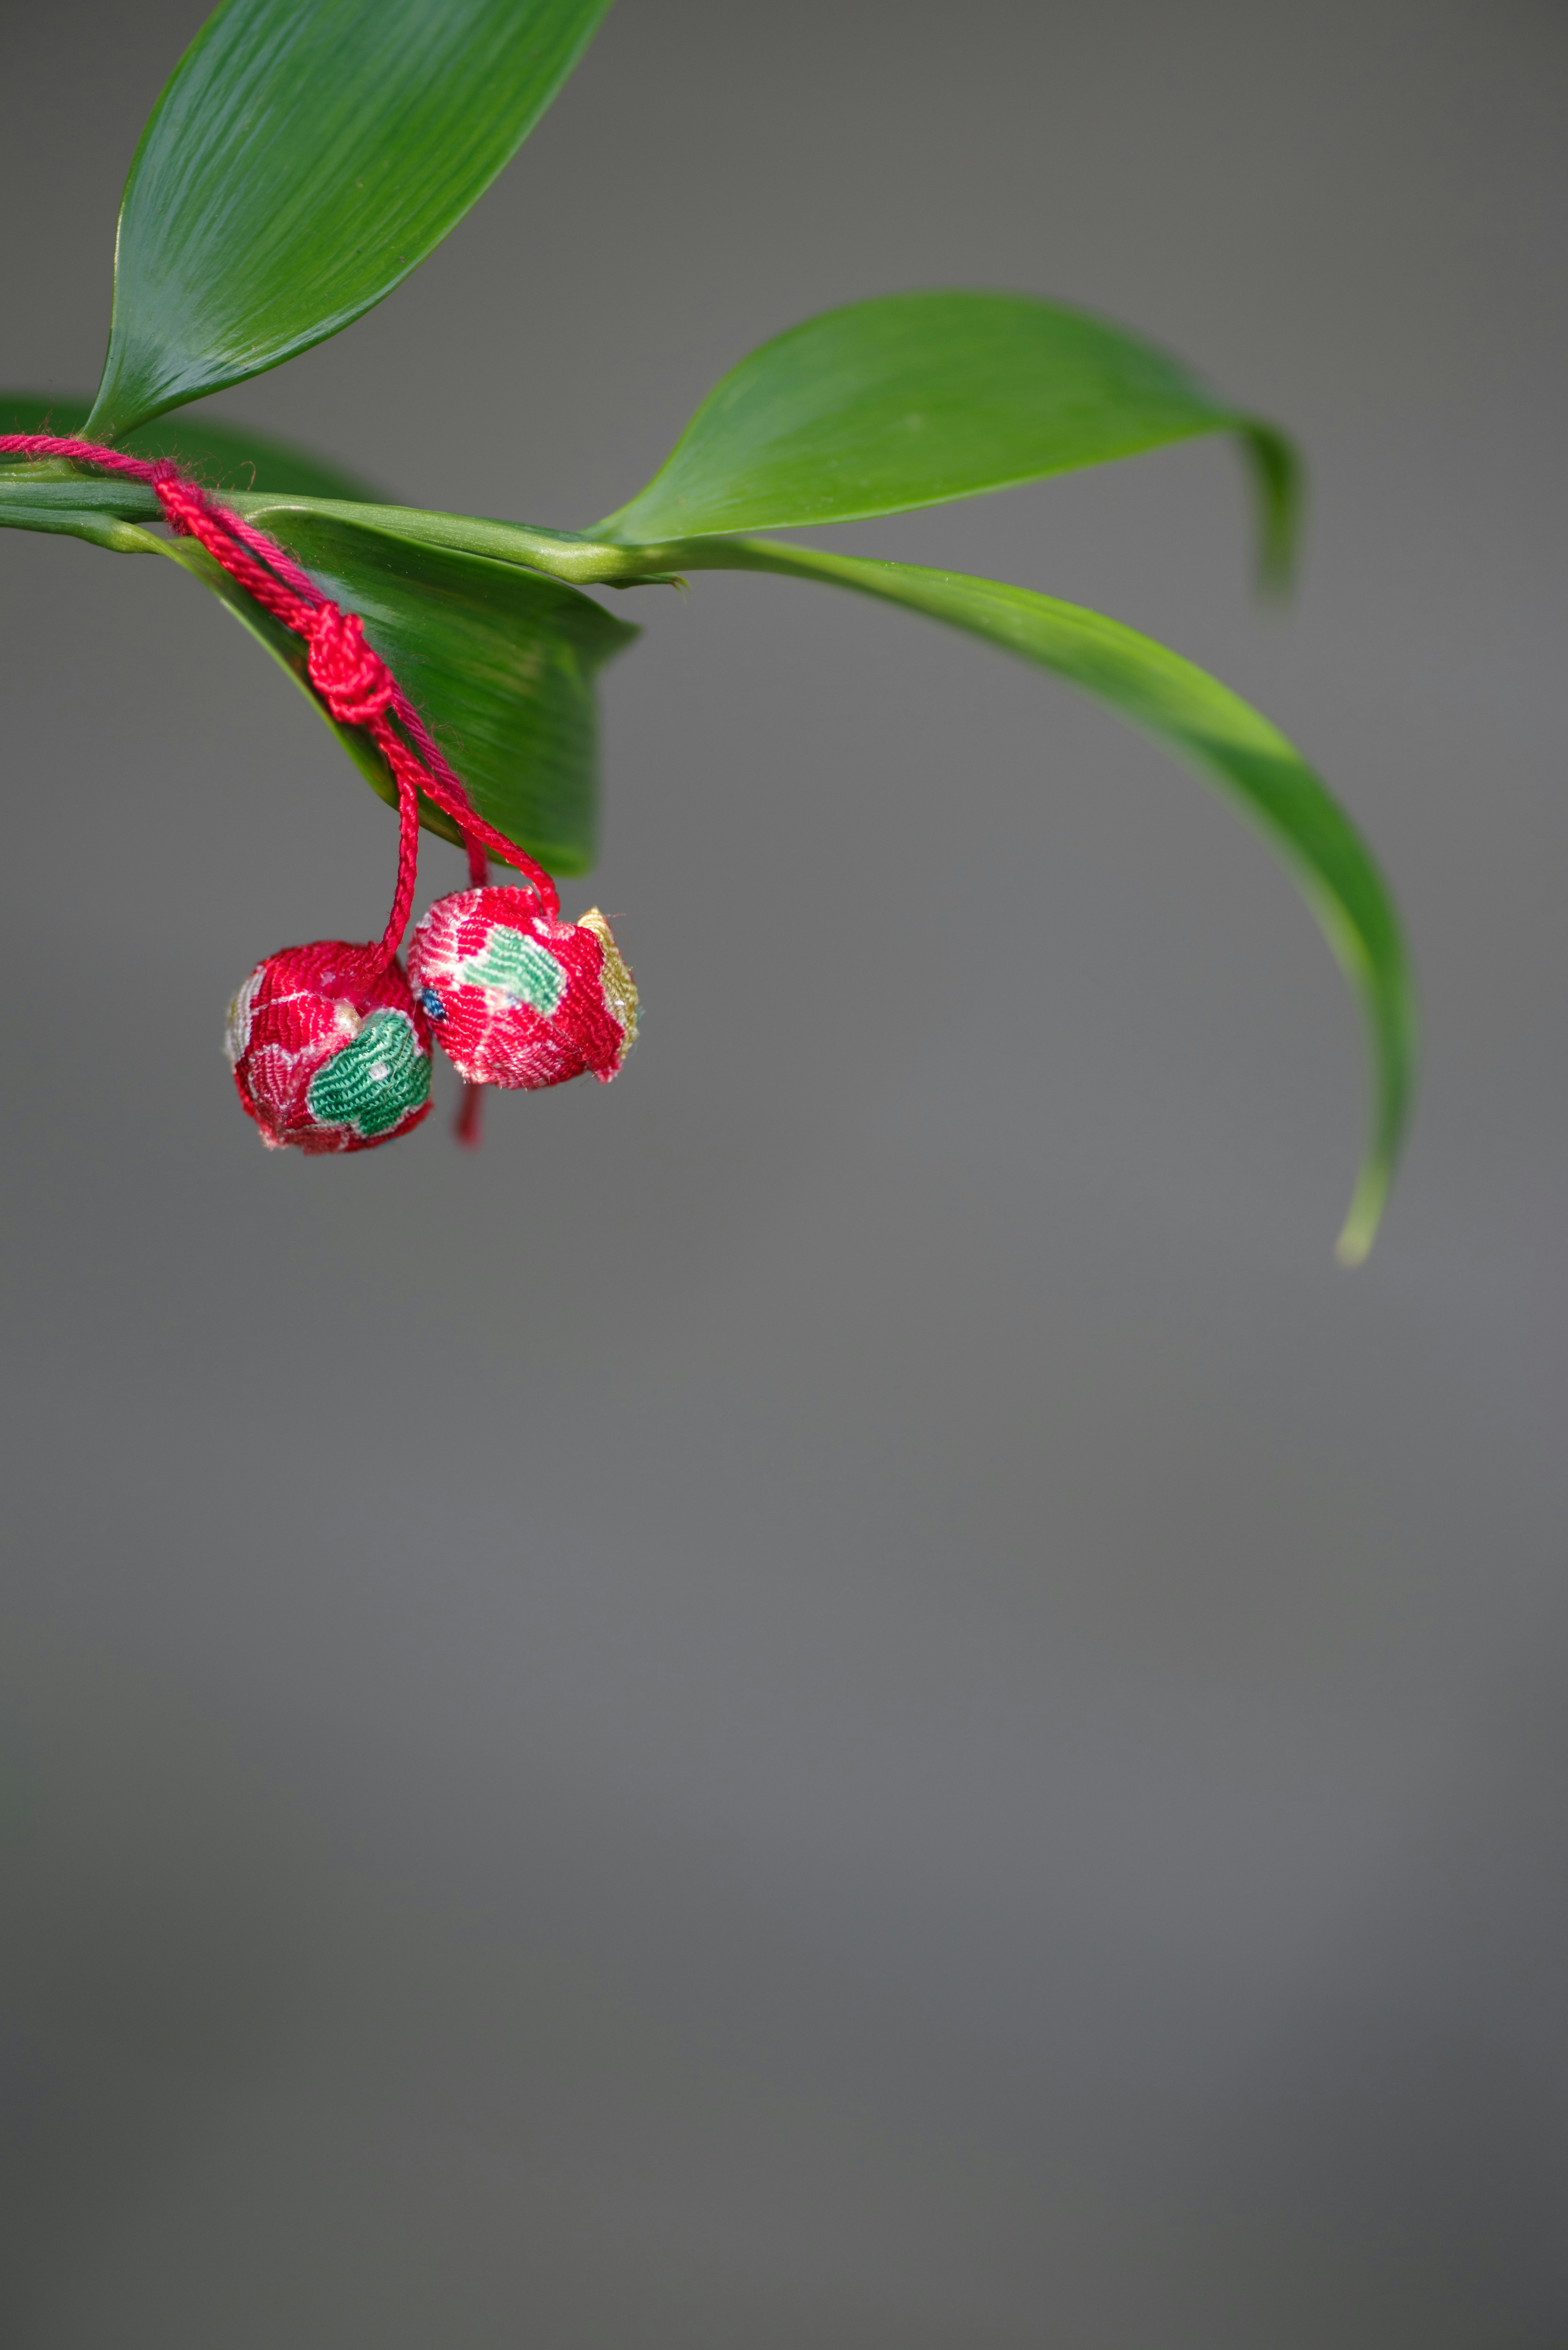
x,y
331,1045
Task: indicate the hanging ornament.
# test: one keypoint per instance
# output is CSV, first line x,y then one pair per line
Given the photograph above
x,y
329,1044
329,1049
517,997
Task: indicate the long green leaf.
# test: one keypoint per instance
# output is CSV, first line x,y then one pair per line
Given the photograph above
x,y
1217,732
287,650
913,400
501,661
304,156
224,456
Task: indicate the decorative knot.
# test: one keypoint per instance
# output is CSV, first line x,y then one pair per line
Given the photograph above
x,y
518,998
353,680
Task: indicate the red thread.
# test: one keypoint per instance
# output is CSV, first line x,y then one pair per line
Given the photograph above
x,y
467,1126
352,680
354,683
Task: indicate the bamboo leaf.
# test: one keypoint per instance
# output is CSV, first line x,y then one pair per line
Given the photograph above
x,y
913,400
304,157
501,661
1229,743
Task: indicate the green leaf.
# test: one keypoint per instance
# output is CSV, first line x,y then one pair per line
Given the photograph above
x,y
501,661
222,456
914,400
287,650
1229,744
304,157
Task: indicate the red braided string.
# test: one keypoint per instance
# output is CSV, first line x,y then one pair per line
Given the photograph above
x,y
467,1126
350,677
408,868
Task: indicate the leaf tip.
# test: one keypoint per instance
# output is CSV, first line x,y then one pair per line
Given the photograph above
x,y
1279,481
1354,1246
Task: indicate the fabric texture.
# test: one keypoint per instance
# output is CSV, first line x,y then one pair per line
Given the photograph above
x,y
330,1050
516,997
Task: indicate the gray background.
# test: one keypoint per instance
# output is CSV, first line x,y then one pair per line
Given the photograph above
x,y
845,1695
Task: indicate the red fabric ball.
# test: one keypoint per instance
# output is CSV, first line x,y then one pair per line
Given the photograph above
x,y
517,998
330,1051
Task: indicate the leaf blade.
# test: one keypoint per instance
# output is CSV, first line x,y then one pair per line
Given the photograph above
x,y
289,652
501,658
304,157
1230,744
915,400
501,661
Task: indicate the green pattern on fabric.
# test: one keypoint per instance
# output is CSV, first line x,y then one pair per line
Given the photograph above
x,y
517,968
375,1081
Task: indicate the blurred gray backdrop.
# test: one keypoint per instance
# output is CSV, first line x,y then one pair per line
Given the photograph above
x,y
843,1698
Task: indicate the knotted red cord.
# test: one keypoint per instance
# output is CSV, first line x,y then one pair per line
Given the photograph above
x,y
351,678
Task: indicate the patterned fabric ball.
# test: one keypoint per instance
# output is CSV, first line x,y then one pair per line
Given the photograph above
x,y
329,1052
517,999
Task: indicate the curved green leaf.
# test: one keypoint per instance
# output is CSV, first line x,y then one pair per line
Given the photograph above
x,y
304,157
287,650
501,661
222,456
913,400
1229,743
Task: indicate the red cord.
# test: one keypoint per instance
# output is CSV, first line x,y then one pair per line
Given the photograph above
x,y
350,675
467,1126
